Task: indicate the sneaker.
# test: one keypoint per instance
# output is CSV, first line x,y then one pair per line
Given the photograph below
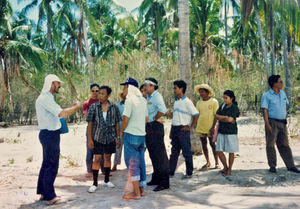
x,y
109,185
92,189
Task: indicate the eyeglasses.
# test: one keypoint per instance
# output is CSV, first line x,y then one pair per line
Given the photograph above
x,y
95,91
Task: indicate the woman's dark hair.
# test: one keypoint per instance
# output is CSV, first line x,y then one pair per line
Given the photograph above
x,y
273,79
141,87
180,84
107,88
154,81
94,84
231,95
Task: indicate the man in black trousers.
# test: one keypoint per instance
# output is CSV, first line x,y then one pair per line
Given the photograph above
x,y
155,136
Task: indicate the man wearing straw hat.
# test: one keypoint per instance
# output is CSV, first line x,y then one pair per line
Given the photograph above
x,y
207,108
48,113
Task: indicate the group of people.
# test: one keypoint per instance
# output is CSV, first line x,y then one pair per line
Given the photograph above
x,y
136,122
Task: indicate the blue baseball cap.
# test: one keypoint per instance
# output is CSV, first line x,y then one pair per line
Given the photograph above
x,y
131,81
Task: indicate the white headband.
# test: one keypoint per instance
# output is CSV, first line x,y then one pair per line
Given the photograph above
x,y
150,82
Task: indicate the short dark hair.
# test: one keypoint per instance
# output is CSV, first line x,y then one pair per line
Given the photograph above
x,y
107,88
180,84
154,81
273,79
141,87
94,84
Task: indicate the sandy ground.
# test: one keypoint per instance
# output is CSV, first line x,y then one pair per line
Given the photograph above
x,y
250,186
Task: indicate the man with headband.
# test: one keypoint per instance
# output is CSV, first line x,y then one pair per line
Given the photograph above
x,y
48,113
155,136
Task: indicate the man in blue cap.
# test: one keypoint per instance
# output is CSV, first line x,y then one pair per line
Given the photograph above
x,y
135,116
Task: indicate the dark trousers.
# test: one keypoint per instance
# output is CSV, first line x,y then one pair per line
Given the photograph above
x,y
280,137
157,151
181,141
50,142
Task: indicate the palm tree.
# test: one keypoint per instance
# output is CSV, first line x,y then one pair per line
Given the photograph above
x,y
45,13
247,7
15,50
154,11
184,56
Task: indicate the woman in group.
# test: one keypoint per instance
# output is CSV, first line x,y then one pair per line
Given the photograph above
x,y
227,140
103,134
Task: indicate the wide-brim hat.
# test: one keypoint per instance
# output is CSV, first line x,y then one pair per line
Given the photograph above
x,y
204,86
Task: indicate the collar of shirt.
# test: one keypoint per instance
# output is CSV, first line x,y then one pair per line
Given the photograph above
x,y
182,98
152,95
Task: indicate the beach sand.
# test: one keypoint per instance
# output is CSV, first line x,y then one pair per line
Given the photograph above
x,y
250,186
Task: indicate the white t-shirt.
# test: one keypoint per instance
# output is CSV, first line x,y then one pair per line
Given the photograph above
x,y
184,110
47,111
135,109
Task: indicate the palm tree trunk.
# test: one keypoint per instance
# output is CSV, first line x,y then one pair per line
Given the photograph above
x,y
3,92
272,38
225,23
184,64
49,40
285,60
87,47
262,41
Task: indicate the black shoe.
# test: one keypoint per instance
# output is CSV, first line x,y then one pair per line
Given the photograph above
x,y
151,183
159,188
294,169
272,170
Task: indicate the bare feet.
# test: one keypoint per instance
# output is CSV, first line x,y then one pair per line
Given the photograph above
x,y
55,200
205,167
41,197
224,171
88,175
142,191
114,168
217,166
131,196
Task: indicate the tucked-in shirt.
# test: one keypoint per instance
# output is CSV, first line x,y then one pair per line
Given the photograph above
x,y
136,110
155,103
87,104
184,110
207,111
104,131
275,103
47,111
232,111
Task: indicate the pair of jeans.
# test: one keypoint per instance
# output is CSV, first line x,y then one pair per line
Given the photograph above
x,y
279,136
158,154
134,154
181,141
50,143
90,156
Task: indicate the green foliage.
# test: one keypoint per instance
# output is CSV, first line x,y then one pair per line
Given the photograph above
x,y
11,161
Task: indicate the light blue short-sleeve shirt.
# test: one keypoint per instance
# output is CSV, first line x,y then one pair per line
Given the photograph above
x,y
47,111
155,103
275,103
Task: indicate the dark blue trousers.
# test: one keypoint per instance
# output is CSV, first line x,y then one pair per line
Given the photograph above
x,y
50,142
181,141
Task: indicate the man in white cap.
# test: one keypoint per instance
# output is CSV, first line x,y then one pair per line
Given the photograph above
x,y
48,115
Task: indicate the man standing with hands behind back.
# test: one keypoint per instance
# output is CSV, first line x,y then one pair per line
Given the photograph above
x,y
155,136
275,105
48,113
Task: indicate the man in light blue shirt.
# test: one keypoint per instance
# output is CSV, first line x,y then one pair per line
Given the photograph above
x,y
275,104
48,113
155,136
